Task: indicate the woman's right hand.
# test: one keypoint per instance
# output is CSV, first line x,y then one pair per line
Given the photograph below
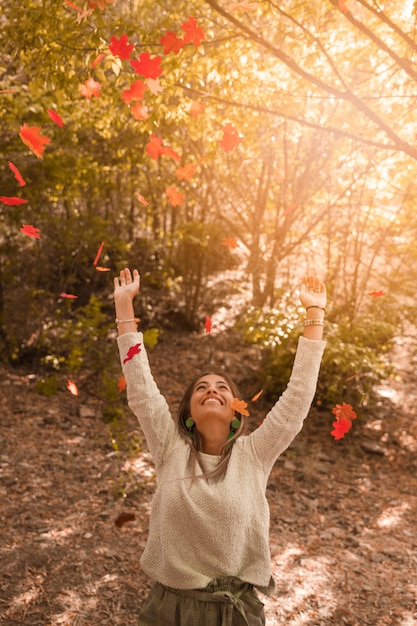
x,y
126,286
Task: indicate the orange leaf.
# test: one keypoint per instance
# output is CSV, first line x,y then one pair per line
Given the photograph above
x,y
136,91
142,199
99,268
192,32
230,242
231,138
101,4
147,67
99,251
139,112
196,109
121,385
31,137
18,176
207,324
72,387
344,411
341,427
174,196
12,200
239,406
171,153
257,395
376,293
186,172
74,6
171,43
121,47
55,117
67,295
30,231
97,60
154,86
90,88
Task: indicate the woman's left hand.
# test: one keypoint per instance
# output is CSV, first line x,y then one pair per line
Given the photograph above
x,y
313,292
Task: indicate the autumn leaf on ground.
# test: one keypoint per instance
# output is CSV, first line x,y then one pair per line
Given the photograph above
x,y
121,47
30,231
98,255
207,325
154,86
90,88
241,6
240,406
376,294
70,296
196,109
12,201
192,32
147,67
257,395
136,91
230,242
341,427
18,176
186,172
139,112
55,117
72,387
171,43
123,518
175,197
142,199
231,138
121,385
133,350
31,137
97,60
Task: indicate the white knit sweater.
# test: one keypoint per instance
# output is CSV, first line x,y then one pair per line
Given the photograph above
x,y
201,530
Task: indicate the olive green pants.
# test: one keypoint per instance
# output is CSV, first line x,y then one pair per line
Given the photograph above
x,y
225,601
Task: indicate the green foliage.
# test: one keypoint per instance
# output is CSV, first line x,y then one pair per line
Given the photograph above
x,y
151,337
48,386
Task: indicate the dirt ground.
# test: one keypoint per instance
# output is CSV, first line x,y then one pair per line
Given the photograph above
x,y
74,511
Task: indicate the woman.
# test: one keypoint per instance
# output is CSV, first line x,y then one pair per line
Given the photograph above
x,y
208,539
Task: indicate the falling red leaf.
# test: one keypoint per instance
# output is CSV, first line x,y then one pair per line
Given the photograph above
x,y
121,47
97,60
142,199
231,138
192,32
98,255
230,242
341,427
70,296
72,387
376,294
154,148
133,350
208,324
12,201
186,172
136,91
30,231
121,385
139,112
240,406
175,197
55,117
344,415
18,176
171,43
196,109
99,268
31,137
123,518
257,395
147,67
90,88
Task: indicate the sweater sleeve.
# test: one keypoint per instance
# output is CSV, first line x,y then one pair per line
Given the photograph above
x,y
144,397
285,419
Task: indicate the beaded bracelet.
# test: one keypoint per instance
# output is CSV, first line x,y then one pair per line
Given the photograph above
x,y
314,323
133,319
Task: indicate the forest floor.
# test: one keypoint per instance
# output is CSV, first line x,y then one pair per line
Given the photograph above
x,y
74,510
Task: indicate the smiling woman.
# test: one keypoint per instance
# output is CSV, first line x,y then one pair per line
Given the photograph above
x,y
208,544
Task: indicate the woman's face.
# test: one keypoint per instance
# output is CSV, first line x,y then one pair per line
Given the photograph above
x,y
211,400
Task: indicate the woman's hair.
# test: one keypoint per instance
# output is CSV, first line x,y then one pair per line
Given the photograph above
x,y
194,439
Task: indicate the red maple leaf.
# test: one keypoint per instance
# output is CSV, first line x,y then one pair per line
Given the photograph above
x,y
175,197
121,47
133,350
171,43
121,385
344,411
341,427
192,32
186,172
70,296
30,231
230,242
97,60
142,199
12,201
231,138
139,112
207,324
99,251
240,406
154,148
196,109
90,88
376,294
147,67
18,176
31,137
72,387
136,91
55,117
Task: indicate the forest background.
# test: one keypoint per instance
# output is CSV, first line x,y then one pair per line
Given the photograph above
x,y
224,149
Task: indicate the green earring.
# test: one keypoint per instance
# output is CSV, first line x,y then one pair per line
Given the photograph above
x,y
234,425
189,423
